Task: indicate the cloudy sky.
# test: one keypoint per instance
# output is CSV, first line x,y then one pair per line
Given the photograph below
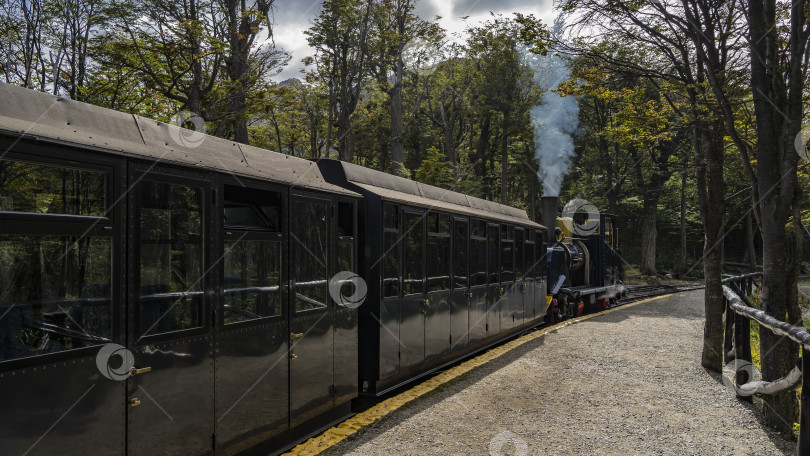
x,y
292,17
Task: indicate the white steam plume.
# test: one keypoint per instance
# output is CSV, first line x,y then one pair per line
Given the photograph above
x,y
554,120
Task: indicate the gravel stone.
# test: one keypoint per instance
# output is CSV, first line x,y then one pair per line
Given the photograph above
x,y
625,383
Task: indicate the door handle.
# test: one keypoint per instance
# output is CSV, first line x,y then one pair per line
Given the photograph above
x,y
294,336
133,372
293,356
134,402
469,295
426,302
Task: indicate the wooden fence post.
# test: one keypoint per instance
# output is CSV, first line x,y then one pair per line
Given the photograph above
x,y
742,346
728,340
803,446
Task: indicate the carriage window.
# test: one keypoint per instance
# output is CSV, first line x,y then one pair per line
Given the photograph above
x,y
432,222
50,189
171,258
444,224
413,247
439,264
519,253
528,250
252,279
460,254
55,294
252,209
345,219
391,247
438,223
507,259
390,216
478,253
540,255
478,228
309,254
493,253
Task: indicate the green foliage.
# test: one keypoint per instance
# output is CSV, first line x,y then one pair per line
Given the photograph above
x,y
435,170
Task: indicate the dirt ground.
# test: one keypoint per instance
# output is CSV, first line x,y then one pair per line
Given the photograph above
x,y
626,383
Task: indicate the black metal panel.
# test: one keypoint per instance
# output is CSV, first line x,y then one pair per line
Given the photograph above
x,y
390,345
252,382
64,408
311,372
175,414
478,314
460,305
345,355
509,303
437,324
412,331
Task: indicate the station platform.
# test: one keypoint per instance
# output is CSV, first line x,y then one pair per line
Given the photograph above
x,y
623,382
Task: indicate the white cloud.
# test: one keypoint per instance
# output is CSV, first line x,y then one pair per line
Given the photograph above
x,y
292,17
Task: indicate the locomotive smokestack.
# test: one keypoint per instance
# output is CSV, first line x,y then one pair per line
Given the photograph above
x,y
548,215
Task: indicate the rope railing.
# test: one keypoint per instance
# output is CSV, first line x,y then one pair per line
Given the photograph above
x,y
739,313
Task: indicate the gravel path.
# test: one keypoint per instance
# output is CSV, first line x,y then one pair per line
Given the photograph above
x,y
625,383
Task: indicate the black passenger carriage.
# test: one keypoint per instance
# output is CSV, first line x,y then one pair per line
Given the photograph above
x,y
447,274
205,261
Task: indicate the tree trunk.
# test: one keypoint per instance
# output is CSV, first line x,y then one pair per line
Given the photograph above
x,y
344,127
712,193
649,235
397,129
483,145
504,157
239,121
779,108
683,217
751,251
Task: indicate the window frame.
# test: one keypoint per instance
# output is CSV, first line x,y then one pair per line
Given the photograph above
x,y
140,172
252,234
471,237
111,225
447,236
453,221
331,241
398,246
340,238
420,213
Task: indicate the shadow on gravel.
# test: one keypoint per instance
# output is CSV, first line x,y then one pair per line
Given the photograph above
x,y
439,394
688,305
755,409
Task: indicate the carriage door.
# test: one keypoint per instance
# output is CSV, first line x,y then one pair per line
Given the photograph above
x,y
170,388
311,339
414,302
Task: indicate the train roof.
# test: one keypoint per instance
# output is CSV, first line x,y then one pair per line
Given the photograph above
x,y
44,117
402,190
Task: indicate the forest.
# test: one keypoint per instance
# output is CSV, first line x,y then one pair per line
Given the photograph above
x,y
684,118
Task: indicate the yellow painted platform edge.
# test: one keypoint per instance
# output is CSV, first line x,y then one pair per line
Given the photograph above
x,y
337,434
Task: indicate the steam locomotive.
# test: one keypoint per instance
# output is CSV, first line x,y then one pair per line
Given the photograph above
x,y
167,292
585,271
